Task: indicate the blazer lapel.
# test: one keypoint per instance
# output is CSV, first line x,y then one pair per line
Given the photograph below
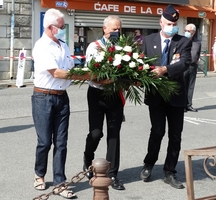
x,y
157,47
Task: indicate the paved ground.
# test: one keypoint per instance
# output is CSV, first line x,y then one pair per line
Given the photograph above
x,y
18,141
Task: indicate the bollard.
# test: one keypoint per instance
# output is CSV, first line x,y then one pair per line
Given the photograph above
x,y
100,181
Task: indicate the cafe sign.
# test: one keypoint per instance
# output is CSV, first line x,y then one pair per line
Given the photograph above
x,y
136,9
128,7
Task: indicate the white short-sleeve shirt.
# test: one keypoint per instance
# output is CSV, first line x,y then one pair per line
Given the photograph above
x,y
47,55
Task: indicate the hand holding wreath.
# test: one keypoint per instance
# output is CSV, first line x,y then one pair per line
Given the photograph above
x,y
123,67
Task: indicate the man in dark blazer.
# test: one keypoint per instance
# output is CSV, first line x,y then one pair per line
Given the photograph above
x,y
190,74
178,60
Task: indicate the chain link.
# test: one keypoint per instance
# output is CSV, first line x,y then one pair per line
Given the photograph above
x,y
63,186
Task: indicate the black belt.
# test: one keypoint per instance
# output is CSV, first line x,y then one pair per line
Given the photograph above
x,y
49,91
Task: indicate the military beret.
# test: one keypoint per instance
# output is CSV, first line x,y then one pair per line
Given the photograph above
x,y
170,13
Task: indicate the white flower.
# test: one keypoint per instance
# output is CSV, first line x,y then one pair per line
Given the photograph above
x,y
140,61
116,62
135,55
127,49
118,48
102,53
118,57
99,58
126,58
132,64
146,66
85,69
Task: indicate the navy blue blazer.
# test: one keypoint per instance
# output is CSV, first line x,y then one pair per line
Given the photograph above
x,y
179,46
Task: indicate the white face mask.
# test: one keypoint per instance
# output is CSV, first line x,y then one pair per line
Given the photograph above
x,y
60,34
187,34
170,30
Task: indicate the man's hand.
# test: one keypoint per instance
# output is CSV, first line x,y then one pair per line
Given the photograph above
x,y
159,71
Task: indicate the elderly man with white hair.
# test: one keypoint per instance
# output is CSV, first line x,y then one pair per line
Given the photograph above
x,y
50,102
190,74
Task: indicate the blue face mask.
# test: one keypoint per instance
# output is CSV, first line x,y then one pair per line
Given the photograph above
x,y
114,37
170,30
60,34
187,34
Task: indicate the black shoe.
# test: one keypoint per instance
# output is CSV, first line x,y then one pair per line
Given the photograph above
x,y
86,165
117,184
146,172
191,109
173,181
185,110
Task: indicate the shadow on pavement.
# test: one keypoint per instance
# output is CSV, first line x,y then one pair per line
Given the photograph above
x,y
11,129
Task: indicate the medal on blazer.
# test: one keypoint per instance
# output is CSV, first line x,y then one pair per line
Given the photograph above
x,y
175,58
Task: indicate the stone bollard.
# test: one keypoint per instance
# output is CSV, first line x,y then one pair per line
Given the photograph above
x,y
100,181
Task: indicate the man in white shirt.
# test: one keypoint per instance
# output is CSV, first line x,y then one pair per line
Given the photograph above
x,y
50,102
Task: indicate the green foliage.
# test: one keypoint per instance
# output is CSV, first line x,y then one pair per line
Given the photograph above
x,y
125,65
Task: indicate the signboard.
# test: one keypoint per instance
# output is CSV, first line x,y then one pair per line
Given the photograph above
x,y
142,7
21,68
1,4
182,2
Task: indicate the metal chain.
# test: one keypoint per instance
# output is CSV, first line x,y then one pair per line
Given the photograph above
x,y
63,186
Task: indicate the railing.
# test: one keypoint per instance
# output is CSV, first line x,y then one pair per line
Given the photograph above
x,y
203,62
209,153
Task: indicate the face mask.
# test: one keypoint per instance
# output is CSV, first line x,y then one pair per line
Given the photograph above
x,y
114,36
60,34
170,30
187,34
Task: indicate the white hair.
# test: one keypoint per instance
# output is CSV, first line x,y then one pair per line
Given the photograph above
x,y
111,17
51,16
191,27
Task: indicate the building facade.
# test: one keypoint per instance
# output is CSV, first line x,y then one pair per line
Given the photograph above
x,y
21,24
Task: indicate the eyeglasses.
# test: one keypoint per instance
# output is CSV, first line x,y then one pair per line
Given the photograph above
x,y
188,31
62,27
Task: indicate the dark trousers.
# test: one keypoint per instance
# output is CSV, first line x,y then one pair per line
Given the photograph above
x,y
190,79
51,117
99,107
175,119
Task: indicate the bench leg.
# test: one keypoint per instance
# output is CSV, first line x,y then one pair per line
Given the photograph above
x,y
189,177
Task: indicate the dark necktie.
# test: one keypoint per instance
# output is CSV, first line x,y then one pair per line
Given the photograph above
x,y
165,53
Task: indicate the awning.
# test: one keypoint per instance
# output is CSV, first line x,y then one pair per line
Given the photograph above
x,y
128,7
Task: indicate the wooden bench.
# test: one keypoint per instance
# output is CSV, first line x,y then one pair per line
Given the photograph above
x,y
210,152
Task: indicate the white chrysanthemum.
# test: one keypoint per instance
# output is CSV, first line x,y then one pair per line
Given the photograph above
x,y
135,55
127,49
132,64
99,58
85,69
146,66
126,58
118,48
118,57
102,53
116,62
140,61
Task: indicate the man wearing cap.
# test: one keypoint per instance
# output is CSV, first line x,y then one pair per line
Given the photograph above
x,y
174,53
